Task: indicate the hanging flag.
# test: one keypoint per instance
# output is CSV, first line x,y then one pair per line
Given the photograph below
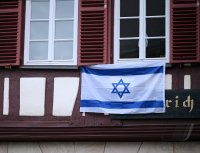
x,y
132,88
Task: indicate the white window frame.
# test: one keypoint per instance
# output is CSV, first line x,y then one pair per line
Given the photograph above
x,y
142,33
72,61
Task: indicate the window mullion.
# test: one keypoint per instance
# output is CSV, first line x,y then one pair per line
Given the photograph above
x,y
27,31
75,33
117,30
51,30
167,29
145,30
142,30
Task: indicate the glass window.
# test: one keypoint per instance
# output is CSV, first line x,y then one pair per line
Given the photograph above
x,y
141,30
51,32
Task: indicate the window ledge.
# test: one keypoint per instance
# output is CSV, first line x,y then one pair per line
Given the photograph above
x,y
48,67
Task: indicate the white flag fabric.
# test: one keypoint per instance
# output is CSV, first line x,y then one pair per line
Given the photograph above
x,y
132,88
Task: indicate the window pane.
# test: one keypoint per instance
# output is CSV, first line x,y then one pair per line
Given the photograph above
x,y
129,8
39,30
38,51
129,49
155,27
40,9
155,48
64,9
64,30
155,7
63,50
129,28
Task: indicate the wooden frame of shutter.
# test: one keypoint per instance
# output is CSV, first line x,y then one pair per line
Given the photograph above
x,y
10,32
185,24
198,4
94,38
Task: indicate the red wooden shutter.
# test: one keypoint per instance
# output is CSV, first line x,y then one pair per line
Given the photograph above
x,y
94,33
185,31
10,31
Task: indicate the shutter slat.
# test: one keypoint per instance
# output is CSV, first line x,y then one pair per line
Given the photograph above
x,y
94,32
184,31
10,31
7,60
7,53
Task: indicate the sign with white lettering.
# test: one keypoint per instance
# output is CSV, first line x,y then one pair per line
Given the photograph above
x,y
179,104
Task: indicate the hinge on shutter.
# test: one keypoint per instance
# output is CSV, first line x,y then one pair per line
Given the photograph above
x,y
105,4
197,3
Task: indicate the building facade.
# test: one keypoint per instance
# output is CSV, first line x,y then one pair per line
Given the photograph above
x,y
44,43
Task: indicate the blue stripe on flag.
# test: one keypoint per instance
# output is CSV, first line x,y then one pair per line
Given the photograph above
x,y
122,105
124,71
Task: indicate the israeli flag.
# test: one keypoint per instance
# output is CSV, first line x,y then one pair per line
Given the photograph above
x,y
132,88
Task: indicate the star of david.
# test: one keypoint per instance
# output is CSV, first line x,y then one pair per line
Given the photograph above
x,y
120,84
